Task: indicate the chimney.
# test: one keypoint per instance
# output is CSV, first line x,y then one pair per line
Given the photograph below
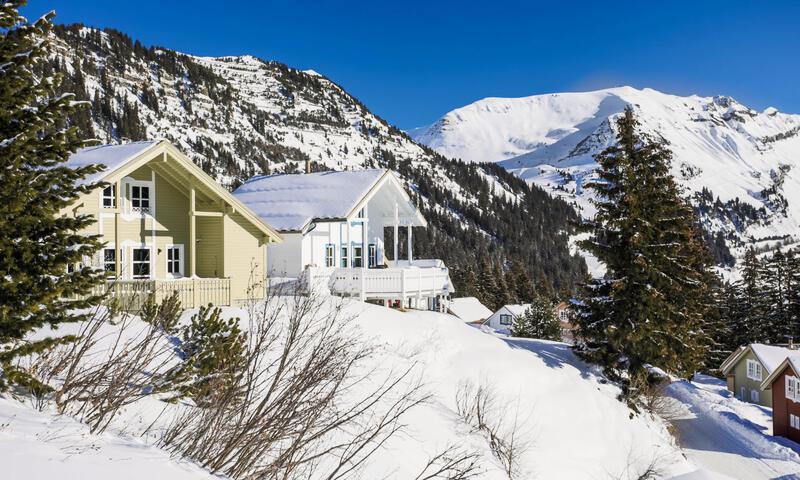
x,y
308,165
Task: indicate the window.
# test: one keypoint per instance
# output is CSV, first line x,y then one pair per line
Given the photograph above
x,y
140,198
792,386
344,256
753,370
505,319
754,396
741,394
330,253
794,421
175,260
562,315
362,213
358,256
141,263
110,196
373,255
110,262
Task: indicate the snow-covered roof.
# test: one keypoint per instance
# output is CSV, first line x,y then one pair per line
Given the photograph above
x,y
289,202
517,309
770,356
111,156
469,309
792,358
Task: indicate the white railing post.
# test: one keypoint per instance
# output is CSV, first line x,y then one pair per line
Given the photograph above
x,y
363,283
403,287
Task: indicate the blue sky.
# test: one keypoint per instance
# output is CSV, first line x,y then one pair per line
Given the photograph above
x,y
411,62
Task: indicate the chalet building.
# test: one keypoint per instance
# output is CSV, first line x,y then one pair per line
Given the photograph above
x,y
747,367
784,384
332,225
503,319
167,226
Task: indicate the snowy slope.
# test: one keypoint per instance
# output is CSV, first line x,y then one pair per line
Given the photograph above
x,y
43,445
738,154
569,417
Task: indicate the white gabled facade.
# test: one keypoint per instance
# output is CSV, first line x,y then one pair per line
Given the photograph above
x,y
503,318
332,225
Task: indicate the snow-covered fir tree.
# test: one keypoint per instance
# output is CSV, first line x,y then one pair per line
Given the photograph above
x,y
650,306
538,321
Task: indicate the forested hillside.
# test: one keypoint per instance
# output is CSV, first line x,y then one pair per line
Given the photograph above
x,y
242,116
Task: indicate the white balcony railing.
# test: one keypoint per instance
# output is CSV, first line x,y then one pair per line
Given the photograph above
x,y
397,282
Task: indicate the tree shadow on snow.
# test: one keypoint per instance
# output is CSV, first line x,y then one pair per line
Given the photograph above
x,y
555,355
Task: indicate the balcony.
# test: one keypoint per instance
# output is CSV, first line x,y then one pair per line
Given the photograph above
x,y
409,283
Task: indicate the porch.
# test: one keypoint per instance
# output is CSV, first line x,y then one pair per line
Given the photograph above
x,y
192,292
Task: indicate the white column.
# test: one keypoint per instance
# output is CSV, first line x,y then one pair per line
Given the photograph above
x,y
410,243
192,234
364,258
349,246
396,232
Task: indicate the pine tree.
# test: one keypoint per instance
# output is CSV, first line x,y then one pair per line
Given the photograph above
x,y
40,239
538,321
649,308
751,302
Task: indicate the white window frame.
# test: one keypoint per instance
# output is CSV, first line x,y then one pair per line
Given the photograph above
x,y
754,371
358,247
344,255
330,255
506,315
151,262
181,257
791,385
794,421
372,255
112,198
113,272
151,197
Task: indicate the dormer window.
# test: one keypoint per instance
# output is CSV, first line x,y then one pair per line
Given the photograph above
x,y
110,196
140,198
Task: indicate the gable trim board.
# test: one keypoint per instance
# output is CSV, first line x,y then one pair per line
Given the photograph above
x,y
123,168
296,202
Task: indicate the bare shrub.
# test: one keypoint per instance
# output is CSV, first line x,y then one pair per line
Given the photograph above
x,y
478,407
106,369
452,463
638,470
302,403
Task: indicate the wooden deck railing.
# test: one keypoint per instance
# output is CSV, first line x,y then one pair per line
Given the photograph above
x,y
192,292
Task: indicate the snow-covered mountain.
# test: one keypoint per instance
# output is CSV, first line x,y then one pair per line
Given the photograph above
x,y
241,116
740,167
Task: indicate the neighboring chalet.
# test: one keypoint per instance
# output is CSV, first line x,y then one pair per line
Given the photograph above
x,y
469,309
784,384
747,367
333,224
168,226
505,316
